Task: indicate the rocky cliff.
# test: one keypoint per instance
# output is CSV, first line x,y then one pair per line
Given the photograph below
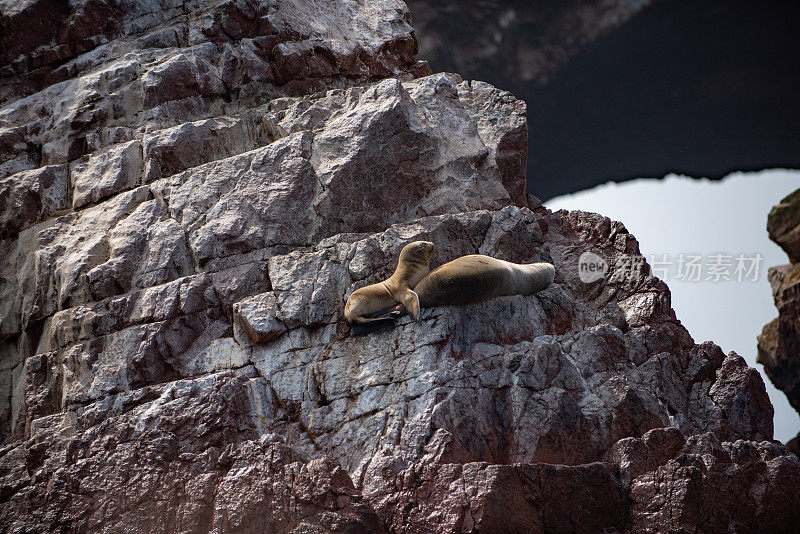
x,y
779,342
190,193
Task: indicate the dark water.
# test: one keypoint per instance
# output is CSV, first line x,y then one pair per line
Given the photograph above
x,y
697,88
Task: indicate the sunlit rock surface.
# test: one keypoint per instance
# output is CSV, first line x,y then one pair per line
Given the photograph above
x,y
190,194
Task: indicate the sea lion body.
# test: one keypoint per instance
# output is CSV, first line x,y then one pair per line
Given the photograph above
x,y
475,278
394,293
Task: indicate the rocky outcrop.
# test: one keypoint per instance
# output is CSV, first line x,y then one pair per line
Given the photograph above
x,y
779,341
185,457
679,485
173,356
783,225
110,72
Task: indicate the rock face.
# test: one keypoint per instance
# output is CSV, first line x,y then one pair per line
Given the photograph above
x,y
106,73
177,251
779,342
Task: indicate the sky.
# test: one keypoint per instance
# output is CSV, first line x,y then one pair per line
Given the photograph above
x,y
712,224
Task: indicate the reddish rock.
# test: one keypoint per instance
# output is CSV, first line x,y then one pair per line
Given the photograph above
x,y
740,486
186,457
779,341
637,456
184,217
476,497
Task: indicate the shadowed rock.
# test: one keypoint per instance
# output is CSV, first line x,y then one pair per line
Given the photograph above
x,y
779,341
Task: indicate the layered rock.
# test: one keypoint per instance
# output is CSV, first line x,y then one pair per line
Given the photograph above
x,y
678,485
173,356
109,72
779,341
473,397
211,227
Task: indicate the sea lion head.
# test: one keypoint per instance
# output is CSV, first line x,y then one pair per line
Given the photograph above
x,y
414,261
418,252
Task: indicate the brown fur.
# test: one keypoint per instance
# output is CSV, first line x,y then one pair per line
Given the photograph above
x,y
476,278
412,266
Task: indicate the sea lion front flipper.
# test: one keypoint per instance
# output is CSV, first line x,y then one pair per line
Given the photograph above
x,y
410,300
368,326
394,311
361,326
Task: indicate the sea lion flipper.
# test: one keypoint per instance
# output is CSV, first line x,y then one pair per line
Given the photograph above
x,y
367,326
410,300
394,311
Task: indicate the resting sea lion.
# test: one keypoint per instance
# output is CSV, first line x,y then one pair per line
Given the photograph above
x,y
377,304
475,278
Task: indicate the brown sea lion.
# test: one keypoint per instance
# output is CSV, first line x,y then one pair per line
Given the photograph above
x,y
475,278
380,303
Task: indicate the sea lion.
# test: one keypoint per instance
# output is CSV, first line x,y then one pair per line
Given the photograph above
x,y
377,304
475,278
